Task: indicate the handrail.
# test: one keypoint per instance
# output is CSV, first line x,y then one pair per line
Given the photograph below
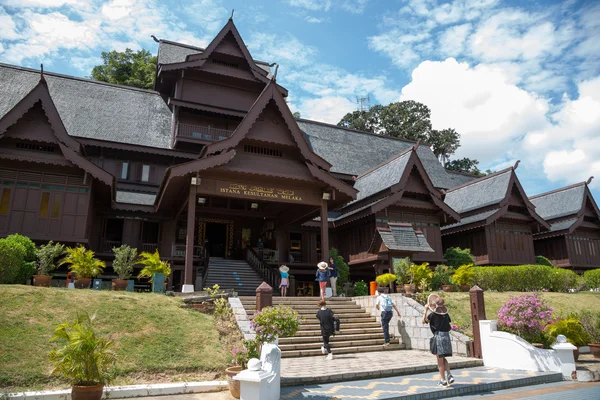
x,y
269,274
202,132
205,261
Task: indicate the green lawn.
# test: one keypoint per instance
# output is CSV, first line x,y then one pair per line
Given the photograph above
x,y
561,303
152,335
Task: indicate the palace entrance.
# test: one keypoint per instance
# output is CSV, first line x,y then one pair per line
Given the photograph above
x,y
216,236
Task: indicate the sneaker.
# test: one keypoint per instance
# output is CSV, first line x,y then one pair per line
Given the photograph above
x,y
329,356
442,383
450,378
323,350
386,344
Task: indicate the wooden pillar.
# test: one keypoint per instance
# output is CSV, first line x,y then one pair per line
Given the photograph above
x,y
477,314
280,244
189,239
324,232
264,296
292,287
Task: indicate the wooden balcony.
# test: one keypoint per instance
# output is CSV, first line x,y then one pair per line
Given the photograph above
x,y
178,251
201,133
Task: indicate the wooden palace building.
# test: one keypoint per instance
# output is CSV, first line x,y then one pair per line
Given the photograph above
x,y
212,161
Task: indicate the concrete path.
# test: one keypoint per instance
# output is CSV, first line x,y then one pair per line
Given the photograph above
x,y
549,391
346,367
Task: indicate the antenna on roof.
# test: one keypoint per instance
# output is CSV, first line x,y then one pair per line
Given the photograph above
x,y
589,180
516,164
232,11
155,39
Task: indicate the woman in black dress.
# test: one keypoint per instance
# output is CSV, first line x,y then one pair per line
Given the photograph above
x,y
325,317
439,323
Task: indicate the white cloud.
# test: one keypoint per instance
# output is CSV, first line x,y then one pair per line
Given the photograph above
x,y
355,6
326,109
38,3
9,28
314,20
286,50
313,5
452,41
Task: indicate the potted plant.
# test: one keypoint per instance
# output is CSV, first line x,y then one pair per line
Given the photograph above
x,y
464,277
441,278
46,255
401,269
274,322
125,259
385,280
83,263
591,323
421,275
85,360
240,358
572,329
153,265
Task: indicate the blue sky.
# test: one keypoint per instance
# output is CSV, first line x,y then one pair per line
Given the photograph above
x,y
517,80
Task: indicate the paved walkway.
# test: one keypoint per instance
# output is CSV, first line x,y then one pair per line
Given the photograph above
x,y
420,386
345,367
549,391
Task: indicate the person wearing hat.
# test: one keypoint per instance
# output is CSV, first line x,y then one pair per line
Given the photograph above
x,y
436,315
322,276
284,272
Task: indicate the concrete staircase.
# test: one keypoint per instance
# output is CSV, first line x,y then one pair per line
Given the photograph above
x,y
232,274
359,331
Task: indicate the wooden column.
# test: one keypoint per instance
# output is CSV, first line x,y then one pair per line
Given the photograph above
x,y
280,244
324,233
189,239
477,314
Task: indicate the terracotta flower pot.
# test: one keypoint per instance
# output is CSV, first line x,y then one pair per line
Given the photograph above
x,y
234,386
399,289
410,289
82,283
86,392
576,354
119,284
465,288
448,288
42,280
595,350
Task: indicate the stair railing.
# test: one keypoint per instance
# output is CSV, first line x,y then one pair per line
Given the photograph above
x,y
268,273
205,260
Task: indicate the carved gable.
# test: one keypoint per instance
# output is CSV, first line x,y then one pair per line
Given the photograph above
x,y
415,182
229,47
32,126
271,127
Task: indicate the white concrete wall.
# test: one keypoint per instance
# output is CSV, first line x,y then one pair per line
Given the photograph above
x,y
409,328
505,350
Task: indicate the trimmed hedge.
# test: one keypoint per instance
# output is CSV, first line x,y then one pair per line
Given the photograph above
x,y
526,278
17,259
592,278
541,260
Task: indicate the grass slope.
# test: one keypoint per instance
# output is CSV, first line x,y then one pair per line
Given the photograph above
x,y
561,303
152,334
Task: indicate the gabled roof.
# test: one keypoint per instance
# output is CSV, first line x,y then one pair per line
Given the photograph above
x,y
229,28
382,177
69,147
353,152
485,218
403,237
479,193
560,202
92,109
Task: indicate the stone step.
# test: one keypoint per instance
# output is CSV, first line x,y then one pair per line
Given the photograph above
x,y
308,300
316,345
311,313
342,350
313,306
337,338
343,319
350,325
348,331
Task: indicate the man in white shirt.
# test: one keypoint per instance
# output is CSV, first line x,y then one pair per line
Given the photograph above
x,y
385,304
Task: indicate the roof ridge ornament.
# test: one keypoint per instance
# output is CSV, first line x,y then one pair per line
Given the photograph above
x,y
516,165
589,180
274,78
42,79
416,145
232,11
154,38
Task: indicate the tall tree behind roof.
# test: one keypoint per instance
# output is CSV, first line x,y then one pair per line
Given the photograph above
x,y
127,68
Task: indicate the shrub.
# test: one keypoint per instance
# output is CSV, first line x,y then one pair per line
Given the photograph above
x,y
464,275
525,278
83,262
11,259
563,280
401,268
249,351
385,279
275,322
441,276
571,328
125,259
24,249
361,289
525,316
541,260
85,360
153,265
46,255
343,268
455,257
420,274
591,323
592,278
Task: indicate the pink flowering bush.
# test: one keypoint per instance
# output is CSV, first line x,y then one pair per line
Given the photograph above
x,y
275,322
525,316
250,350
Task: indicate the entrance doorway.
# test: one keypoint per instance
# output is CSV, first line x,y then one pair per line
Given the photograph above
x,y
216,235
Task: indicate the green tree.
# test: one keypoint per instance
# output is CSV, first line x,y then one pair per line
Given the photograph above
x,y
127,68
444,143
297,114
360,120
465,165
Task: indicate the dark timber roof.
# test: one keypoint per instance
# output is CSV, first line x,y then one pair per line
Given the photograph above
x,y
354,152
381,178
94,110
559,203
471,219
403,237
480,193
144,199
